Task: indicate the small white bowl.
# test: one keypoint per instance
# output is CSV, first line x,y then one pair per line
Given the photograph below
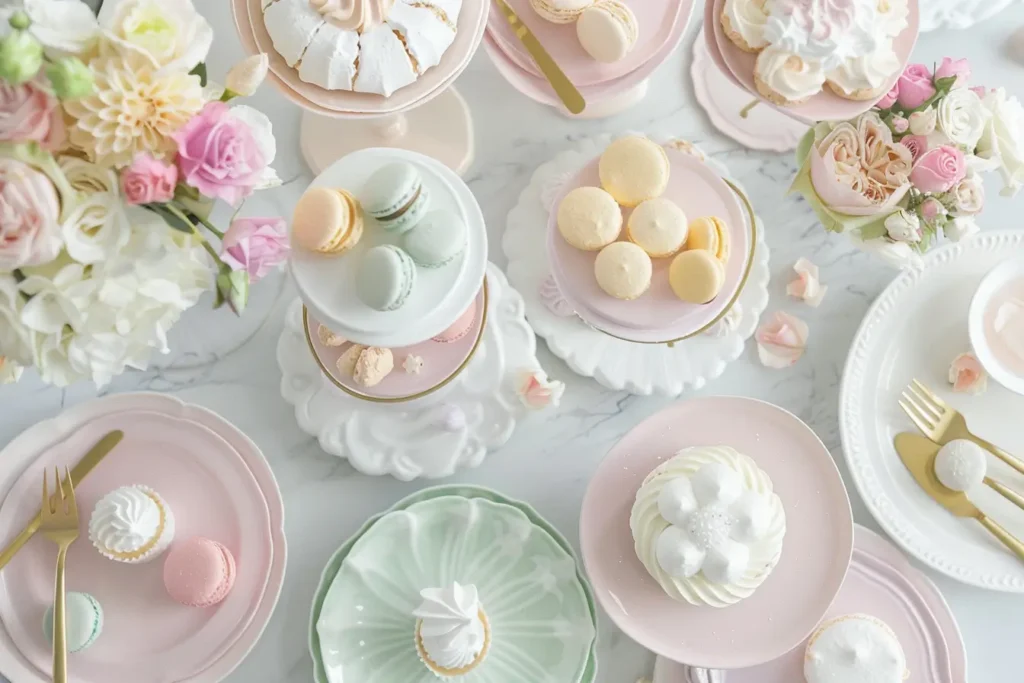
x,y
997,278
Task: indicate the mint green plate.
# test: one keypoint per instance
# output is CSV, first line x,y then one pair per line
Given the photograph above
x,y
372,596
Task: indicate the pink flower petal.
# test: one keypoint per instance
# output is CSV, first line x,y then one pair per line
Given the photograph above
x,y
781,340
807,287
966,374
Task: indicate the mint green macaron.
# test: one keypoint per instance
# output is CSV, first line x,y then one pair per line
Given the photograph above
x,y
396,197
386,278
83,621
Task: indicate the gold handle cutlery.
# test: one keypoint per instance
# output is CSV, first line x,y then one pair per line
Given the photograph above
x,y
59,523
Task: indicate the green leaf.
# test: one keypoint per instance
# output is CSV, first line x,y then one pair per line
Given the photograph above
x,y
172,221
200,71
202,206
874,230
945,84
804,147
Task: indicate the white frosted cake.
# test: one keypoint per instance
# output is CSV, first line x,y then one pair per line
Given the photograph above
x,y
707,526
855,648
368,46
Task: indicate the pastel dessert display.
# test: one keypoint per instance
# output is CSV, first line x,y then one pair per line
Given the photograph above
x,y
199,572
365,46
385,278
83,621
855,648
328,338
960,465
437,240
560,11
623,270
396,197
460,328
589,218
452,632
327,221
658,226
634,169
607,30
803,46
373,365
132,524
707,526
696,276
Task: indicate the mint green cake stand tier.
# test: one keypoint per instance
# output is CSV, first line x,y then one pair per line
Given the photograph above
x,y
400,630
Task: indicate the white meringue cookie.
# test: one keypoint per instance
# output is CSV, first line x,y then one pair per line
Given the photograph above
x,y
866,75
292,24
330,59
716,483
425,34
747,18
751,517
855,648
786,73
676,501
726,563
961,465
677,554
384,65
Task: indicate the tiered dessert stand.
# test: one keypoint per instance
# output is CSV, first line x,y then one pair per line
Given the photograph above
x,y
428,116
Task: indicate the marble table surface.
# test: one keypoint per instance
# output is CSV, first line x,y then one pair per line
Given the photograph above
x,y
228,365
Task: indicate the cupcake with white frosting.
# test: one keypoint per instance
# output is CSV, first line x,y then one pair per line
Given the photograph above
x,y
452,632
855,648
707,526
131,524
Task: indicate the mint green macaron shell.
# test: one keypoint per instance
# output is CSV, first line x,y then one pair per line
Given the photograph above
x,y
83,620
396,197
438,240
386,278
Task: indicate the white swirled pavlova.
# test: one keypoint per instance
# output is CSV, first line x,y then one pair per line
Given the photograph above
x,y
707,526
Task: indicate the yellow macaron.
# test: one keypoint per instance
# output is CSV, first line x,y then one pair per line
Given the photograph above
x,y
709,233
589,219
327,220
696,276
658,226
623,270
633,169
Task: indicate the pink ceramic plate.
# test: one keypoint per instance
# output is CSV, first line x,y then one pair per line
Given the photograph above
x,y
656,20
442,361
882,583
712,43
826,105
471,26
59,432
658,315
815,555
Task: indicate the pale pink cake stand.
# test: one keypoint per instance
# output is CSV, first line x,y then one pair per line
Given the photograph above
x,y
428,116
800,590
881,582
220,483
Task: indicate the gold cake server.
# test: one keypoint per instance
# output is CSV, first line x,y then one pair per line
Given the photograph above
x,y
918,454
566,91
78,473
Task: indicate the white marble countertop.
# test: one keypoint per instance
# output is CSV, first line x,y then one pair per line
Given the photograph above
x,y
228,365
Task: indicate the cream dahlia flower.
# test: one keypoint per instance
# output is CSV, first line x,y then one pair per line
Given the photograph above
x,y
131,110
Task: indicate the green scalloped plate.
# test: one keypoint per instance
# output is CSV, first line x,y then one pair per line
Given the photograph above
x,y
334,566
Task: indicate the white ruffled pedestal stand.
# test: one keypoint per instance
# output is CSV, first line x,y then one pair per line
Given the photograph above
x,y
433,436
615,363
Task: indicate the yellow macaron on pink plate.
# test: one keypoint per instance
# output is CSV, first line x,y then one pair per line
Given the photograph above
x,y
694,210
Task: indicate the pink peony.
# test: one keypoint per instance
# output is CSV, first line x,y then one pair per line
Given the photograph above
x,y
256,245
915,86
917,144
219,155
890,97
148,181
960,68
29,113
939,169
29,217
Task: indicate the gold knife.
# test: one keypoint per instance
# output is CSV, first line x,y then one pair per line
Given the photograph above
x,y
566,91
80,472
918,454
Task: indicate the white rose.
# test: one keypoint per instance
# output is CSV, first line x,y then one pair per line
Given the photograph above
x,y
56,301
923,122
64,27
969,195
960,227
962,117
96,229
1003,138
10,372
903,226
169,34
15,338
245,77
50,353
263,131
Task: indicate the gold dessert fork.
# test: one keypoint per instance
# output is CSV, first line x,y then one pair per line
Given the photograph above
x,y
59,523
942,423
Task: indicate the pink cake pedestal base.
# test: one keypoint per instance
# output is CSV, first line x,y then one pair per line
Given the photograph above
x,y
441,128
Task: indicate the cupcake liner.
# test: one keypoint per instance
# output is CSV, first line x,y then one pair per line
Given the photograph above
x,y
158,546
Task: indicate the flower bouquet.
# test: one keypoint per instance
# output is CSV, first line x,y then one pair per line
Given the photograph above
x,y
908,172
113,150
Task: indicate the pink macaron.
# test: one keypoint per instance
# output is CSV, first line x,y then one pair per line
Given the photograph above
x,y
460,328
199,572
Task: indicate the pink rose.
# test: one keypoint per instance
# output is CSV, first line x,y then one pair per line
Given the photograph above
x,y
256,245
959,68
28,113
900,124
890,97
939,169
915,86
218,154
29,217
931,209
917,144
148,181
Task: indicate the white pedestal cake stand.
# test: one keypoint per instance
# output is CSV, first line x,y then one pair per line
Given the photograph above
x,y
615,363
430,437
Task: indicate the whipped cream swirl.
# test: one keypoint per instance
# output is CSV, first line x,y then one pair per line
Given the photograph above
x,y
825,31
126,520
354,15
451,629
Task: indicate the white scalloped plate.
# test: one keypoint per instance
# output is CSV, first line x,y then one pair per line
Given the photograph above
x,y
411,440
958,14
914,330
617,364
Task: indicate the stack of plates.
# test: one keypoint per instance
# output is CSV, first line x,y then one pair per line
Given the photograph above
x,y
539,605
662,24
217,483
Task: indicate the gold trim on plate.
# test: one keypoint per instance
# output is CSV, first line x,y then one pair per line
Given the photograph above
x,y
398,399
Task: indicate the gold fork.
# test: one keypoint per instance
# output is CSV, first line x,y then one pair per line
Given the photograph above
x,y
942,423
59,523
